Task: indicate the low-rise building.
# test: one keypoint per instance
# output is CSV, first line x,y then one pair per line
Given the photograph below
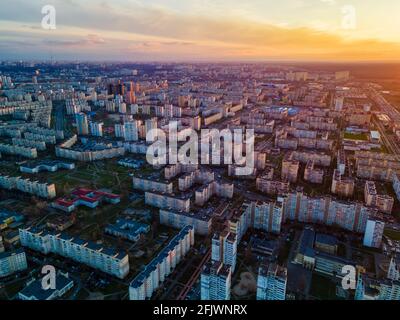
x,y
85,197
35,291
127,229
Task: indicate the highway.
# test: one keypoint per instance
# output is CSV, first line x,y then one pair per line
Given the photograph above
x,y
388,141
385,106
393,114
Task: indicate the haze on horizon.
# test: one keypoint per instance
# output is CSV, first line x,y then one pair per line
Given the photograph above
x,y
201,30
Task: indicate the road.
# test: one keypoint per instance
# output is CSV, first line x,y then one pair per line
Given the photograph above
x,y
393,114
388,140
385,106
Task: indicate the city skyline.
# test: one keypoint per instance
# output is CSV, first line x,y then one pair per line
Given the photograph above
x,y
317,30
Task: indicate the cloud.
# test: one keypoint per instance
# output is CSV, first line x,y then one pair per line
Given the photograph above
x,y
115,30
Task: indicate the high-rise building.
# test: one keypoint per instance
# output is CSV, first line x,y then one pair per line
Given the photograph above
x,y
96,129
377,289
374,233
216,281
82,124
394,269
122,108
150,124
341,185
224,248
372,198
339,101
271,282
1,245
146,282
131,131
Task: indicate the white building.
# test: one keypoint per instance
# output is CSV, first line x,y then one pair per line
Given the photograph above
x,y
224,249
131,131
271,282
152,185
96,129
146,282
42,190
179,219
82,124
374,233
167,201
96,256
11,262
216,281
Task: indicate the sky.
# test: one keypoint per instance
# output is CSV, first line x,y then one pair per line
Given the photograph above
x,y
202,30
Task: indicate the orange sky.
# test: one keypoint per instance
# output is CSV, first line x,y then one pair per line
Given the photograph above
x,y
203,30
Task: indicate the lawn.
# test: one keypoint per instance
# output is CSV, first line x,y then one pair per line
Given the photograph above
x,y
322,288
392,234
356,136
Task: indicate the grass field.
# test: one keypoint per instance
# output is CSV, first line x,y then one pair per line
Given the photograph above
x,y
392,234
322,288
356,136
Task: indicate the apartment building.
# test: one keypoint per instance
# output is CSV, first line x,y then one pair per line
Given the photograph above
x,y
319,159
11,262
36,188
224,248
215,188
313,174
146,282
96,256
376,289
174,170
23,151
350,216
48,139
201,221
82,124
271,282
381,202
187,180
33,144
376,166
267,216
96,129
89,152
168,201
272,187
396,186
342,186
290,170
152,184
374,233
341,162
216,281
